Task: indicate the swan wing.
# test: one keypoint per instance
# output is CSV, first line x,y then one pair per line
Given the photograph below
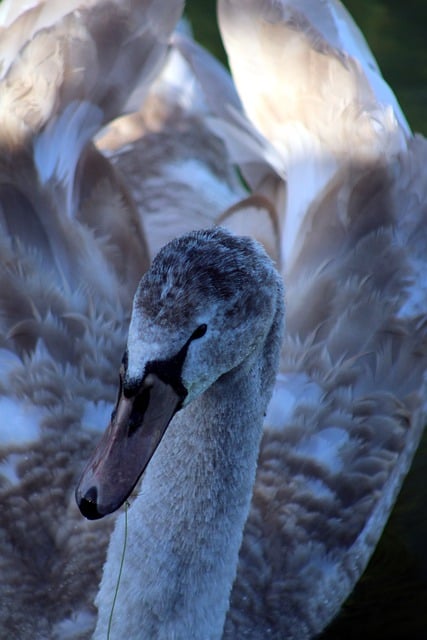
x,y
189,179
309,85
67,78
256,157
66,220
254,216
309,64
349,406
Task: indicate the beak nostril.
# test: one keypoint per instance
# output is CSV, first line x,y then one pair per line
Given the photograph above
x,y
88,504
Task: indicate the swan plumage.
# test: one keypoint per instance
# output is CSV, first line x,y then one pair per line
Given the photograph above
x,y
66,221
168,373
348,404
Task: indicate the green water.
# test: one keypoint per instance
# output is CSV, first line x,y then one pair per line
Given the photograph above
x,y
390,601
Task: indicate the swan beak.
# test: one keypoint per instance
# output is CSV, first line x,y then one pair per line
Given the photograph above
x,y
137,426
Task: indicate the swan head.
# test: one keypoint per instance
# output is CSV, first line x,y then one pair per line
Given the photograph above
x,y
204,307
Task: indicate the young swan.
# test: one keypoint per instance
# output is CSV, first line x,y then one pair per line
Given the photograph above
x,y
195,381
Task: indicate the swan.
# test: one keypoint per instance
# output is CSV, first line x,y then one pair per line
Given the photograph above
x,y
347,408
234,307
345,417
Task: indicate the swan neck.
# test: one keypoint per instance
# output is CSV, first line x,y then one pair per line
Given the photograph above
x,y
185,527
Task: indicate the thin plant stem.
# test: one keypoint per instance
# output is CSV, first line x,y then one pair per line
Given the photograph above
x,y
110,621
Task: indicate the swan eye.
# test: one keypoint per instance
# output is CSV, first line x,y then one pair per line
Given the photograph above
x,y
199,332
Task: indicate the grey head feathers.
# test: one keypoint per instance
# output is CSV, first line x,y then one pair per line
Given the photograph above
x,y
208,264
207,277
